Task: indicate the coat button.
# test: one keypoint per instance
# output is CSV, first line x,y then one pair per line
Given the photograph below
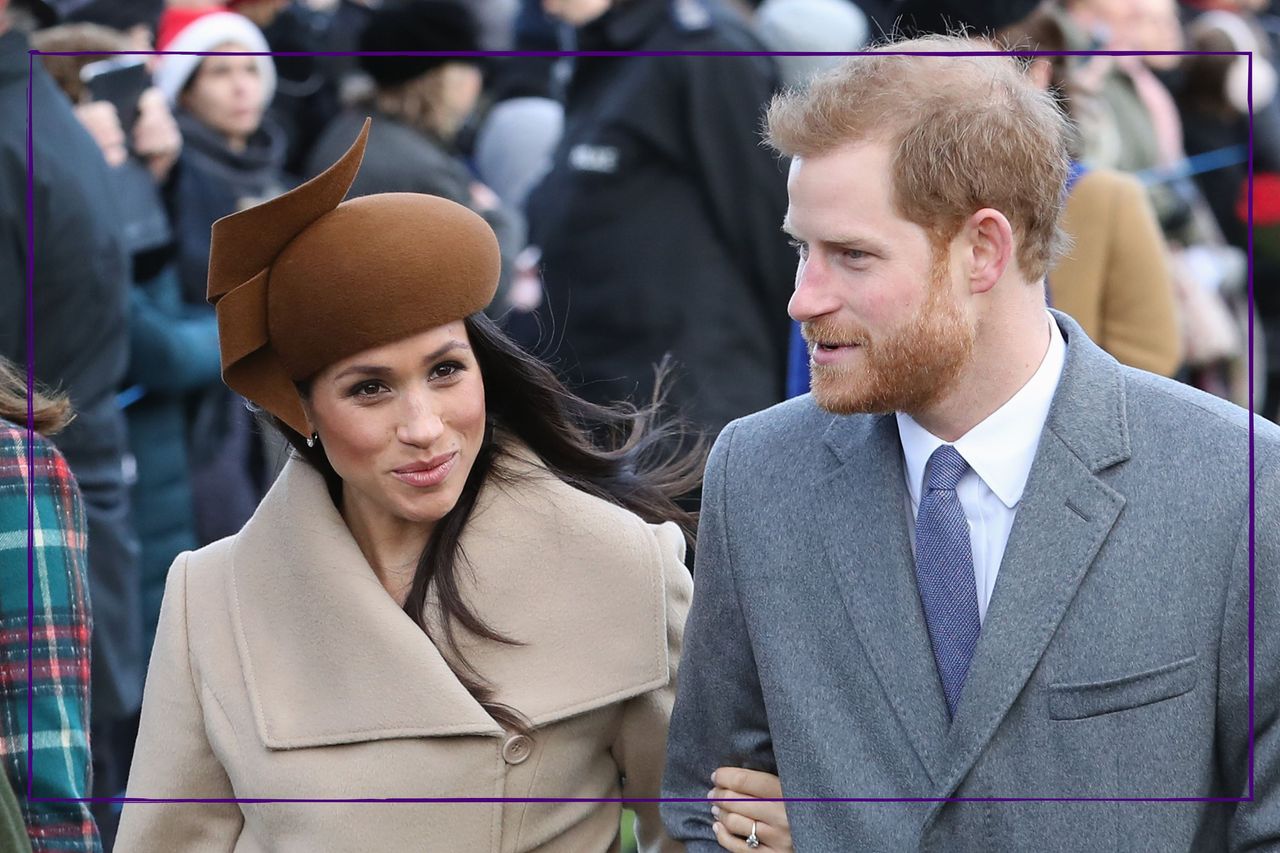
x,y
516,750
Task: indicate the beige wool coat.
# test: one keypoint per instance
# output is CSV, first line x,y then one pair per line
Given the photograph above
x,y
283,669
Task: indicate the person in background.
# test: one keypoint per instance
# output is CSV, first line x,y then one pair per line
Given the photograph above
x,y
658,220
1138,129
524,116
232,158
825,26
1215,102
306,95
419,104
81,290
173,348
136,19
58,690
1116,280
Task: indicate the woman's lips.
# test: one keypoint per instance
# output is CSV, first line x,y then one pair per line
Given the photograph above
x,y
423,475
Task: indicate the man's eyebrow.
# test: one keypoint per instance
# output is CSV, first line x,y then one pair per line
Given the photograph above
x,y
861,243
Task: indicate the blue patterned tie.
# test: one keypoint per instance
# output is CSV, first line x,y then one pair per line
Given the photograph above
x,y
944,572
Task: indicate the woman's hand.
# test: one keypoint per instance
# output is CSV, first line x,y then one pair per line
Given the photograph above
x,y
735,820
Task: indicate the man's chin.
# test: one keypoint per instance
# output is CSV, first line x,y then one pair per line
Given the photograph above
x,y
846,401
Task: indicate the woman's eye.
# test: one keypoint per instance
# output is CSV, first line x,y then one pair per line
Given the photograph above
x,y
445,369
366,389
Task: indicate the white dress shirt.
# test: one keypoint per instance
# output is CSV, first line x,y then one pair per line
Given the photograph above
x,y
999,451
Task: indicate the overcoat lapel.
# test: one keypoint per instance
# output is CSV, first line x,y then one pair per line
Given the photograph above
x,y
1065,516
860,515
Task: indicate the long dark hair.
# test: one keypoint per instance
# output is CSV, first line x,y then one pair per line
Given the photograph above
x,y
632,456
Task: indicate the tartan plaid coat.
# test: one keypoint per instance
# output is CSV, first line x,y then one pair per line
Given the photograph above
x,y
57,682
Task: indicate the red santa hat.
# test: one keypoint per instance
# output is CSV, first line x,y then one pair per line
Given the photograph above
x,y
205,29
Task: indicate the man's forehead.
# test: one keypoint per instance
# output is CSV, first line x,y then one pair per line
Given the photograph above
x,y
857,173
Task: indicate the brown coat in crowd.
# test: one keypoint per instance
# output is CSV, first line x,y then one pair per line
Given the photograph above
x,y
1116,281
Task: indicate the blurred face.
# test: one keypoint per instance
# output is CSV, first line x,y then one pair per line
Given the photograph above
x,y
884,322
1156,27
402,424
459,90
576,13
227,94
1120,17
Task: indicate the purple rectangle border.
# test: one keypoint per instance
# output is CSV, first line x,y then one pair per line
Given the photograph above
x,y
620,54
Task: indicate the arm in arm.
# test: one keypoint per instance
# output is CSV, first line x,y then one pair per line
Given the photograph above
x,y
640,748
719,717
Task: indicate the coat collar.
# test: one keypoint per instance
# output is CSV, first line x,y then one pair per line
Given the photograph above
x,y
328,657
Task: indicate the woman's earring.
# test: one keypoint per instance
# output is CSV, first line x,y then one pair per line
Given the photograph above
x,y
311,442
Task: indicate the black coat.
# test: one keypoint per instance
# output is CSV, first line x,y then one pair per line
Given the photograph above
x,y
210,181
659,221
81,292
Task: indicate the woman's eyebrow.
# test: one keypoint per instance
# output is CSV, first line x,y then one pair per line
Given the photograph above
x,y
381,370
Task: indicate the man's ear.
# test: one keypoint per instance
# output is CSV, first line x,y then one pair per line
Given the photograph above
x,y
988,247
1041,72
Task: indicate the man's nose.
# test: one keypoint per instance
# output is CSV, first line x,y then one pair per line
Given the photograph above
x,y
814,295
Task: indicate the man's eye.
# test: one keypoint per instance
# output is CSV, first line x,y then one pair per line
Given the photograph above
x,y
801,248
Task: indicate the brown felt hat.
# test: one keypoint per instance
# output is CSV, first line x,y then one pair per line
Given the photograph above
x,y
307,279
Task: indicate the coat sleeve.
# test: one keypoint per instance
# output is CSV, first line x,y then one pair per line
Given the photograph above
x,y
719,717
1255,825
171,354
1139,322
173,758
640,747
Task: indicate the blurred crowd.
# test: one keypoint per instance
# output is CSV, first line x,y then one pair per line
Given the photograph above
x,y
637,213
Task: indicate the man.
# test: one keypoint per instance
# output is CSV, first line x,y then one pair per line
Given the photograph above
x,y
982,559
80,345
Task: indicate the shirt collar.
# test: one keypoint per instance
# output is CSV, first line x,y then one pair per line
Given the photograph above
x,y
1002,447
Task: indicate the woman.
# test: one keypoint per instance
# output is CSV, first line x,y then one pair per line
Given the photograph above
x,y
55,816
450,592
232,158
